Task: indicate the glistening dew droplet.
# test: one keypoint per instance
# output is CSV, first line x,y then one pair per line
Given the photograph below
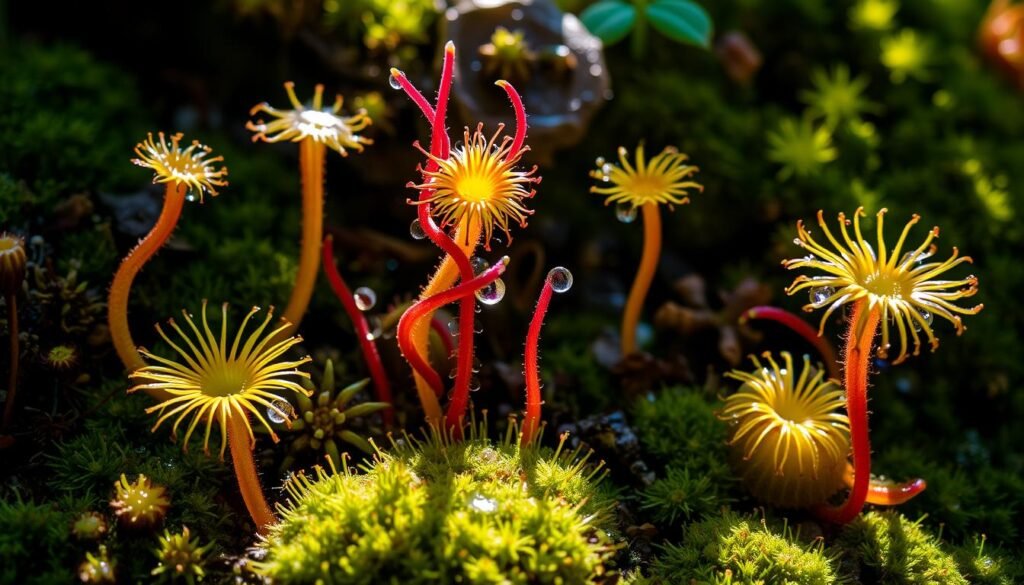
x,y
625,212
375,327
416,230
474,383
821,294
926,316
274,413
393,82
453,327
492,293
560,279
483,504
479,265
365,298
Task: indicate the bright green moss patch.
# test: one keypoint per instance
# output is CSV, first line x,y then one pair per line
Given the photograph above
x,y
734,549
886,548
438,512
679,427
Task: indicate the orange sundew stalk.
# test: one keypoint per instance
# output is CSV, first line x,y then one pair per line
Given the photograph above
x,y
858,358
644,276
117,304
311,161
12,386
245,471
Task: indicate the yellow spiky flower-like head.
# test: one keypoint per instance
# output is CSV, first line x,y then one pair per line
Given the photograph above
x,y
479,184
192,166
215,381
317,123
661,180
789,435
12,263
906,290
139,504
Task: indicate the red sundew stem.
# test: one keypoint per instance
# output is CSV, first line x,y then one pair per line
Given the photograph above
x,y
517,105
888,493
414,94
858,357
801,328
368,346
430,304
439,144
533,402
442,331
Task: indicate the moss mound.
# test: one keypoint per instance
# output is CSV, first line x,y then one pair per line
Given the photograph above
x,y
436,511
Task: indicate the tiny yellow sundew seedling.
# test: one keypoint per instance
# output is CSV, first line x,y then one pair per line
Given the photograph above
x,y
645,185
189,173
789,435
886,288
214,382
139,504
316,129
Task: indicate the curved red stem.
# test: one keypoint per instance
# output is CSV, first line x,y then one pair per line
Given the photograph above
x,y
368,346
425,306
801,328
414,94
532,370
858,357
439,143
441,329
887,493
517,105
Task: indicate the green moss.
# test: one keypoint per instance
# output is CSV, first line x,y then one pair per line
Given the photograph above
x,y
440,512
733,549
682,495
679,427
34,543
886,548
987,567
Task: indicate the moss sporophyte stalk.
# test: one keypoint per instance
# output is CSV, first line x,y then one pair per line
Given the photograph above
x,y
315,128
222,384
644,185
885,288
189,173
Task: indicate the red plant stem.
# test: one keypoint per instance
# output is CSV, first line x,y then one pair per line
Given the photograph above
x,y
858,357
12,386
801,328
366,343
533,402
517,106
446,336
888,493
439,144
430,304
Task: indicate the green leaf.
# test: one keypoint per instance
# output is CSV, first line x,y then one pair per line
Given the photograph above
x,y
609,20
681,20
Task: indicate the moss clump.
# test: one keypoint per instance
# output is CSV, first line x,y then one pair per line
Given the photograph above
x,y
34,543
734,549
435,511
682,495
886,548
982,567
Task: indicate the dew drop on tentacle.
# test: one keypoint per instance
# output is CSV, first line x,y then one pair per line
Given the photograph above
x,y
492,293
376,328
365,298
474,383
416,230
453,327
280,406
479,265
393,81
625,212
820,294
560,279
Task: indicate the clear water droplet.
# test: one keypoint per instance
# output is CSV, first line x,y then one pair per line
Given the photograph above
x,y
625,212
560,279
365,298
191,196
483,504
376,327
393,82
516,14
474,383
453,374
606,169
477,364
492,293
575,104
280,406
479,265
476,65
453,327
599,161
416,230
821,294
926,316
